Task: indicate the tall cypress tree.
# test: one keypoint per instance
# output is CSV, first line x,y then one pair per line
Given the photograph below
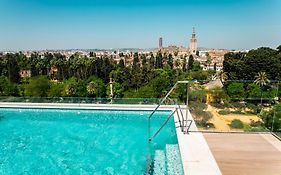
x,y
184,64
152,61
171,61
190,63
159,60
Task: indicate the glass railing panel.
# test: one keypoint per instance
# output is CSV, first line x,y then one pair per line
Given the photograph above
x,y
235,106
82,100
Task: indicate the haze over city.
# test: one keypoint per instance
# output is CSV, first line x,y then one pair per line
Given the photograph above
x,y
83,24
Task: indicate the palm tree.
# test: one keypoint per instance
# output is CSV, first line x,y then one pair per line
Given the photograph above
x,y
70,90
91,88
261,80
223,76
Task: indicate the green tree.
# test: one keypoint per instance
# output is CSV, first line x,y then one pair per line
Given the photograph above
x,y
70,87
4,85
56,89
136,61
196,66
184,65
82,88
151,61
197,93
121,64
190,63
96,87
272,118
7,88
59,61
37,87
171,61
11,64
253,91
223,76
218,95
234,64
261,80
159,61
161,83
244,66
236,90
209,60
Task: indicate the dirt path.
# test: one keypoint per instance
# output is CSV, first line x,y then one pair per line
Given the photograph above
x,y
218,120
222,122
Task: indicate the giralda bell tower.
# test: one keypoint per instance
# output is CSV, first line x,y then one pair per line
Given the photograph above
x,y
193,43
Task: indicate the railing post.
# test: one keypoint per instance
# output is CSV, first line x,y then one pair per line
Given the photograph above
x,y
187,105
179,119
182,117
274,112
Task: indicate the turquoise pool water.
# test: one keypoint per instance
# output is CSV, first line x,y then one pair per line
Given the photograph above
x,y
56,141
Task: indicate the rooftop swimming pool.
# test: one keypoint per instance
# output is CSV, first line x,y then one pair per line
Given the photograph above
x,y
64,141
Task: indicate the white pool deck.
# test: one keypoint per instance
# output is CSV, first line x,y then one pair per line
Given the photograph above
x,y
196,155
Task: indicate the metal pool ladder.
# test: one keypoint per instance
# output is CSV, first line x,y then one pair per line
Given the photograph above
x,y
184,123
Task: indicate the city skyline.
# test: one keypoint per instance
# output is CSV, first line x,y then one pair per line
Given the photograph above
x,y
49,24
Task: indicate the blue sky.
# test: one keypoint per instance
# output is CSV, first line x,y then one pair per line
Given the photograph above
x,y
63,24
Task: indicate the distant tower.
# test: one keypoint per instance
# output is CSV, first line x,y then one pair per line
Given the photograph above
x,y
193,43
160,43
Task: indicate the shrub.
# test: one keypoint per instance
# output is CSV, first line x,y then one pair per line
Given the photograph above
x,y
224,112
202,117
37,87
223,105
258,129
56,90
270,115
195,106
236,90
252,107
239,105
255,123
210,125
218,95
238,124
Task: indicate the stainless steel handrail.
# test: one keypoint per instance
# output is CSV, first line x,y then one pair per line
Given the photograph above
x,y
157,132
162,101
182,120
188,126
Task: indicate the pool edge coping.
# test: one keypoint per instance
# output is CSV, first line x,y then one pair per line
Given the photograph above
x,y
196,156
